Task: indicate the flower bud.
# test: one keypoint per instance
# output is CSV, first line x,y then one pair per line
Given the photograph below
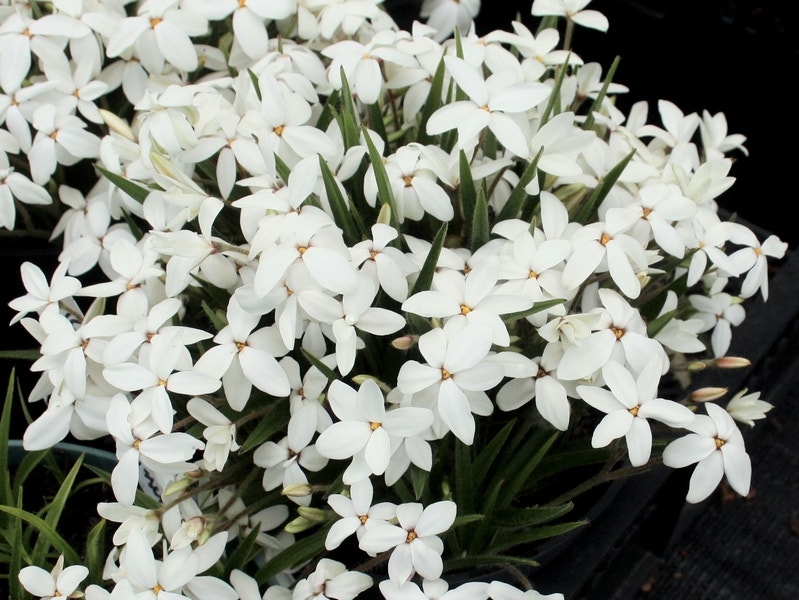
x,y
732,362
117,124
406,342
178,486
317,515
297,490
696,366
384,216
298,525
708,394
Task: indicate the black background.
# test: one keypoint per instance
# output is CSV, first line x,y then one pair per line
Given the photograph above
x,y
739,57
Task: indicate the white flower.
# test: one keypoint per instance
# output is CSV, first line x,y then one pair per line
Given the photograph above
x,y
445,16
357,513
59,581
219,433
354,313
40,294
628,404
492,103
572,10
499,590
366,427
417,547
245,357
719,312
717,446
747,408
331,581
457,373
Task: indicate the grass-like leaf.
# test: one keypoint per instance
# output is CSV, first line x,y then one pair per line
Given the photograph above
x,y
480,230
425,279
513,206
384,191
296,554
134,190
46,531
589,206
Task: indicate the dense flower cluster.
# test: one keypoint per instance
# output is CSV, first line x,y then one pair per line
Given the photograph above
x,y
333,263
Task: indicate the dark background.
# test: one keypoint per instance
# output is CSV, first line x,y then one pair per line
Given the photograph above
x,y
738,57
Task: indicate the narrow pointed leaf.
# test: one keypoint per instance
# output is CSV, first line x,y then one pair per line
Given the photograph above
x,y
484,462
432,104
46,532
589,120
338,204
134,190
275,418
56,507
481,228
602,190
463,477
349,115
513,206
537,307
538,533
532,515
296,554
383,185
468,193
425,279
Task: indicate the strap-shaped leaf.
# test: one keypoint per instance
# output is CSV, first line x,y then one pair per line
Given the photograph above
x,y
419,479
95,554
432,103
5,428
466,189
531,515
384,191
480,223
511,540
342,214
376,122
528,458
274,418
603,92
46,532
536,307
349,115
598,195
464,485
484,462
513,206
244,553
425,279
329,111
55,508
485,560
656,326
134,190
296,554
554,97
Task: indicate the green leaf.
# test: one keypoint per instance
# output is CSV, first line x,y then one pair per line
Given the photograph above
x,y
425,279
468,193
484,462
134,190
483,560
509,540
513,205
96,552
554,97
531,515
46,532
56,507
349,115
275,418
256,85
339,205
463,477
462,520
217,320
282,168
384,191
5,427
419,479
527,459
376,122
296,554
589,206
328,111
536,307
432,104
323,368
31,355
243,554
597,104
656,325
480,226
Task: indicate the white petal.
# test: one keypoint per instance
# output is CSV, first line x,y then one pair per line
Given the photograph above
x,y
612,426
705,478
176,46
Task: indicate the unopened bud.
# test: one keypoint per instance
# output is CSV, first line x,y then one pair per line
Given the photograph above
x,y
694,367
297,490
361,379
406,342
316,515
117,124
298,525
732,362
708,394
384,216
178,486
